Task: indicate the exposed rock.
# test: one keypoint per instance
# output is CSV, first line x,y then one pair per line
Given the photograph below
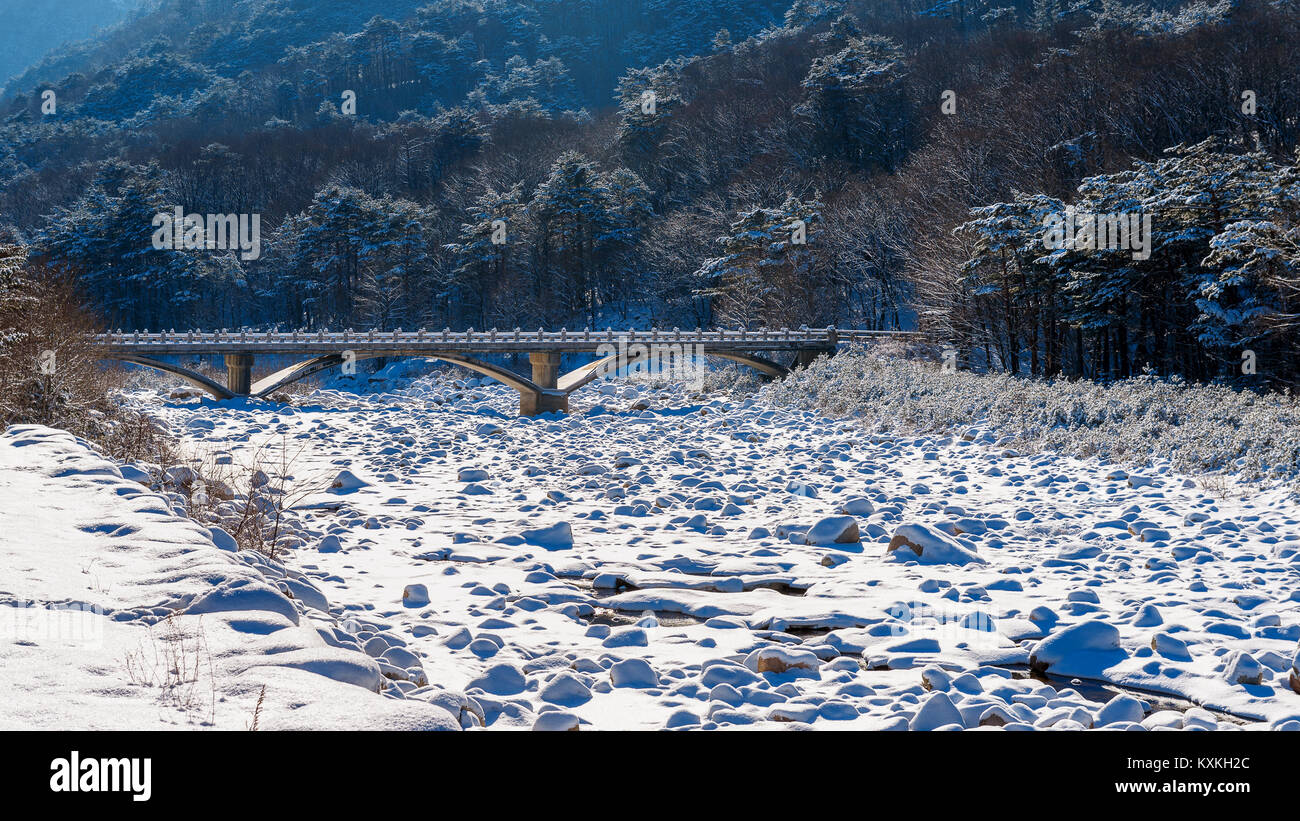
x,y
1294,679
781,659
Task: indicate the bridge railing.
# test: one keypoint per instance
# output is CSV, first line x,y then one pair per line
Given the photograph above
x,y
799,336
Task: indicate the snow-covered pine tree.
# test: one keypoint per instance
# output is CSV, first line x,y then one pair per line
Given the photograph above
x,y
768,274
856,105
484,272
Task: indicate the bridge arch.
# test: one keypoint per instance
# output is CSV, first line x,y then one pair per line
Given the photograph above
x,y
634,355
193,377
301,370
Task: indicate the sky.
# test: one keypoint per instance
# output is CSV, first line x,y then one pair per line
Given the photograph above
x,y
29,30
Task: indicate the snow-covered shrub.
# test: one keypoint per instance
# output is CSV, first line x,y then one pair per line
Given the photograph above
x,y
1197,428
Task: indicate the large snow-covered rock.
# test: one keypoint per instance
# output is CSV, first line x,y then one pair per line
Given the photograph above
x,y
858,506
242,595
930,546
415,595
1083,649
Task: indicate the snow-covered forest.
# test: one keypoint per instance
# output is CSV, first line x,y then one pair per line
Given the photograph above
x,y
648,157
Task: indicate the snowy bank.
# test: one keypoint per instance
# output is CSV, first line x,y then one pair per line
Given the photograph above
x,y
119,613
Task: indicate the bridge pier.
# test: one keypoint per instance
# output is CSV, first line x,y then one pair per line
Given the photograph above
x,y
532,404
546,369
805,357
239,373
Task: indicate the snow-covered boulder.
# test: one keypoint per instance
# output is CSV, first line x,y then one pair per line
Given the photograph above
x,y
997,716
935,677
635,673
833,530
1120,708
558,535
347,480
415,595
223,540
1242,668
627,637
1295,671
566,689
243,595
500,680
930,546
1171,647
858,506
937,711
1148,615
472,475
332,663
556,721
136,474
1083,649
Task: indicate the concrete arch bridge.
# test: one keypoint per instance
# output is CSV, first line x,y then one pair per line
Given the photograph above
x,y
544,390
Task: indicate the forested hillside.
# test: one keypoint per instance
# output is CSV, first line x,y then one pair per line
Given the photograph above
x,y
653,156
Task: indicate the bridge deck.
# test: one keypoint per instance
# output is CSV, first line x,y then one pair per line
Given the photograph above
x,y
562,341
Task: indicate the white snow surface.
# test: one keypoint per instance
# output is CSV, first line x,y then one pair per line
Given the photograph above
x,y
91,567
485,552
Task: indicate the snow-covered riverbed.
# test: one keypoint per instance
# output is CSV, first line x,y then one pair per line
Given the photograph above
x,y
658,560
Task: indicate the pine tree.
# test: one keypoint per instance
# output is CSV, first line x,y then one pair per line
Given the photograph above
x,y
572,213
484,272
769,273
856,104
